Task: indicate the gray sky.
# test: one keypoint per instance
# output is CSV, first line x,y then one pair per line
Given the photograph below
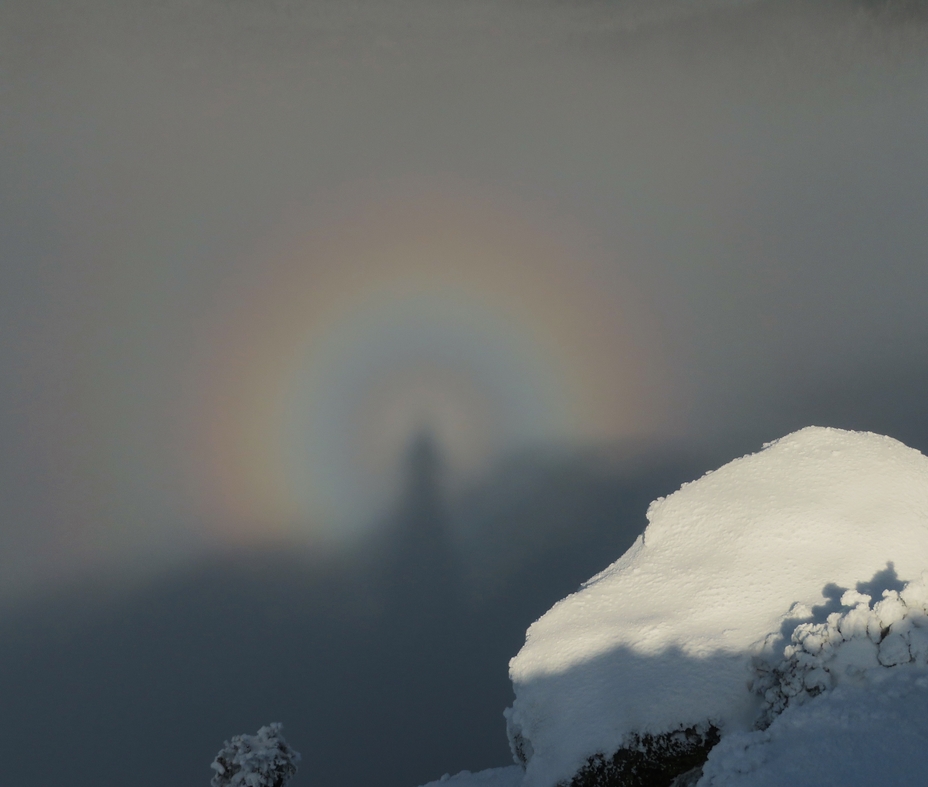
x,y
248,249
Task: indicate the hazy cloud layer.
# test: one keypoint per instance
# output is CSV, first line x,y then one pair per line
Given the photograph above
x,y
752,175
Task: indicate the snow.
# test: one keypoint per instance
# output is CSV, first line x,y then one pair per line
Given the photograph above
x,y
849,644
493,777
262,760
747,578
866,733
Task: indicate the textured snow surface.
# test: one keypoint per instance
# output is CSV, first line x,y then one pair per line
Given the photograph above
x,y
854,642
494,777
871,732
262,760
670,634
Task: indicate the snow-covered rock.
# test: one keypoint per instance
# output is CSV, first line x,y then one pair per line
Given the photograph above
x,y
852,643
492,777
732,576
865,733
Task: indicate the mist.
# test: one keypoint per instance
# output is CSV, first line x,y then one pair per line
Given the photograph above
x,y
252,251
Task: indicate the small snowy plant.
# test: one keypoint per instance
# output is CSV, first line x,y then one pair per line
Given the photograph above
x,y
262,760
860,637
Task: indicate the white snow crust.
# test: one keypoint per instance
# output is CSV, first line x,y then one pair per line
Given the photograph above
x,y
492,777
711,602
861,733
854,643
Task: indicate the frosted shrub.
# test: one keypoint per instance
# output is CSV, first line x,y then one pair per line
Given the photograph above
x,y
262,760
862,636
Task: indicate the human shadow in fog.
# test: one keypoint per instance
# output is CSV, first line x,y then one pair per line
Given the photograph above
x,y
387,666
418,573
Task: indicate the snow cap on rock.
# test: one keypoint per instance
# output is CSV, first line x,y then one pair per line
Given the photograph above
x,y
664,638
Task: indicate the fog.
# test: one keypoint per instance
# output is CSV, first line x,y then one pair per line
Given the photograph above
x,y
253,251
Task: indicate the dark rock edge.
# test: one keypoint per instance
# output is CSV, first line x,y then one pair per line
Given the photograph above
x,y
648,760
